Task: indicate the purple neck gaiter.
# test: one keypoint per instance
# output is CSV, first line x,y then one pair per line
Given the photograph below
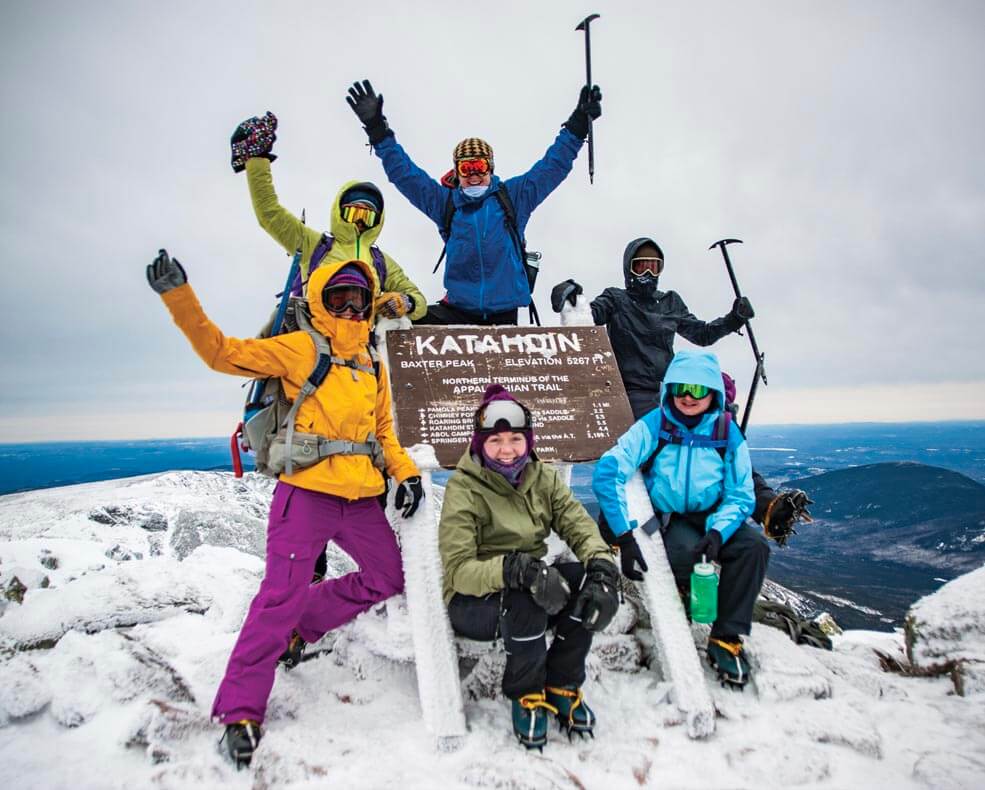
x,y
511,472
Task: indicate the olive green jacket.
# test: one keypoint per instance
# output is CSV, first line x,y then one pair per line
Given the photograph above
x,y
484,518
288,231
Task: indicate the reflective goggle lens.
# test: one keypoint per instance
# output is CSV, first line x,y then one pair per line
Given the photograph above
x,y
343,297
517,417
357,212
644,266
473,167
696,391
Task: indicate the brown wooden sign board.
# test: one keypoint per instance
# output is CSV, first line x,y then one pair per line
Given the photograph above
x,y
567,376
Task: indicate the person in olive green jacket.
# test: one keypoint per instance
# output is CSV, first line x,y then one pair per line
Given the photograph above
x,y
356,222
500,505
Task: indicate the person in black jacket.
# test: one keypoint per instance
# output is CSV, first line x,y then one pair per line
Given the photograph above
x,y
642,323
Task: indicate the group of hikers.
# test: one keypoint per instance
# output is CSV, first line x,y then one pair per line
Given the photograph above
x,y
501,501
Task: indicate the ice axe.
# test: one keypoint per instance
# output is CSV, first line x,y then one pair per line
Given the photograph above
x,y
583,25
760,372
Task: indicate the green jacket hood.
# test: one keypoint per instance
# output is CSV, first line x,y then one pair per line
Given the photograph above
x,y
345,232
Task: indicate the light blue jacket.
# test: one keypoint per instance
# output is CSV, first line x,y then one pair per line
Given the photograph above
x,y
686,477
483,270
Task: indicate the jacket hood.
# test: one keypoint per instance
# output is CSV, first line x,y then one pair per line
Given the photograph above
x,y
348,336
630,253
345,232
695,367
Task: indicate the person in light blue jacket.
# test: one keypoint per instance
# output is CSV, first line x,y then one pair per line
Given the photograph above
x,y
485,276
697,471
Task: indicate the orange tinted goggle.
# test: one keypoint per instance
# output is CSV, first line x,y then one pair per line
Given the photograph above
x,y
340,298
643,266
357,212
479,166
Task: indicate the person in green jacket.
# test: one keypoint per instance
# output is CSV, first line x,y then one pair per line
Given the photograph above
x,y
356,221
500,505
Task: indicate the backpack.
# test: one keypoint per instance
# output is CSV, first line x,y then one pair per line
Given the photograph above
x,y
531,260
322,249
268,416
671,434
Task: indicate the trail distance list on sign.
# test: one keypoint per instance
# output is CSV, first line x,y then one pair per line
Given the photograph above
x,y
567,376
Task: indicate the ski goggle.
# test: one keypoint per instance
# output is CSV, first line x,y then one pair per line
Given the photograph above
x,y
479,166
516,416
641,267
339,298
359,212
696,391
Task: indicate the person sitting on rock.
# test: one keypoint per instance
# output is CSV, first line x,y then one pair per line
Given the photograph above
x,y
700,483
501,503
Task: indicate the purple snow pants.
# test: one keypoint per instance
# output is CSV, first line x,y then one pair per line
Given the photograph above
x,y
300,524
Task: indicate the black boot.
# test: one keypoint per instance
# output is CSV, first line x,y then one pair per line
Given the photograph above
x,y
242,739
291,657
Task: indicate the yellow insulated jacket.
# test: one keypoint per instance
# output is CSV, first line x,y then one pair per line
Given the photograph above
x,y
484,518
350,404
288,231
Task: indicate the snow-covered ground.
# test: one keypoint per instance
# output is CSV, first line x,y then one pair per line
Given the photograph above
x,y
135,591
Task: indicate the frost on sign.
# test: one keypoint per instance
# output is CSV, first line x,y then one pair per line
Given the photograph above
x,y
566,375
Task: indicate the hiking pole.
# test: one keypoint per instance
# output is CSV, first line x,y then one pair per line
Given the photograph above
x,y
583,25
760,372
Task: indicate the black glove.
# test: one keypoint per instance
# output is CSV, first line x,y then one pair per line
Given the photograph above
x,y
629,552
368,107
549,589
569,290
709,546
589,109
253,137
165,273
598,600
786,509
410,494
742,310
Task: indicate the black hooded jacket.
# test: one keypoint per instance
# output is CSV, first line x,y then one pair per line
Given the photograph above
x,y
642,328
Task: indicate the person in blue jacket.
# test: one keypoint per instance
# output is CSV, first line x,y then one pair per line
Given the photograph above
x,y
485,276
698,474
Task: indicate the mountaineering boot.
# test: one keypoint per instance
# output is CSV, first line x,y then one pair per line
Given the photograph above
x,y
727,659
242,739
573,713
291,657
530,719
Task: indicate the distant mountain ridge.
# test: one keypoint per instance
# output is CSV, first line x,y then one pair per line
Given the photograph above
x,y
884,535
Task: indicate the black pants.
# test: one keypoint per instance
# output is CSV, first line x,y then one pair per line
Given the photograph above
x,y
523,625
643,401
444,314
743,559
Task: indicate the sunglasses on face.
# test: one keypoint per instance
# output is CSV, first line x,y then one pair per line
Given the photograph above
x,y
340,298
646,266
696,391
479,166
359,212
515,415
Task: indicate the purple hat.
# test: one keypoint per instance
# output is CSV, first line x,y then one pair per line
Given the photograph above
x,y
729,385
519,422
350,274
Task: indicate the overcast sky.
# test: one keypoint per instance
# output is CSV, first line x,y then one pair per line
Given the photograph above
x,y
842,141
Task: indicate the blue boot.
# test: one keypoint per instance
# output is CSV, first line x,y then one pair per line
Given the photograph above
x,y
530,719
573,713
726,657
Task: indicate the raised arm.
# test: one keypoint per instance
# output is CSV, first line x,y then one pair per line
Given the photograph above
x,y
283,227
705,333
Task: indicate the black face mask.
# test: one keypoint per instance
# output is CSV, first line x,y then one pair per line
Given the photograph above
x,y
643,286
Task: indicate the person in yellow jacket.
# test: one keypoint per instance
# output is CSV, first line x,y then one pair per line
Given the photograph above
x,y
335,498
356,222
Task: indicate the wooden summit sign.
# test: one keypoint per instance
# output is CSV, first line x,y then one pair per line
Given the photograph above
x,y
567,376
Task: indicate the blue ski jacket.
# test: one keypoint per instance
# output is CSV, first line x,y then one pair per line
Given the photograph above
x,y
483,270
686,477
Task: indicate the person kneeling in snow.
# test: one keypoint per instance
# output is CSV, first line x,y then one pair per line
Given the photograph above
x,y
333,497
701,483
500,505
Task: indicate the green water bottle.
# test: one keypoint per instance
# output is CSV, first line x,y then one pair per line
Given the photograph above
x,y
704,592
